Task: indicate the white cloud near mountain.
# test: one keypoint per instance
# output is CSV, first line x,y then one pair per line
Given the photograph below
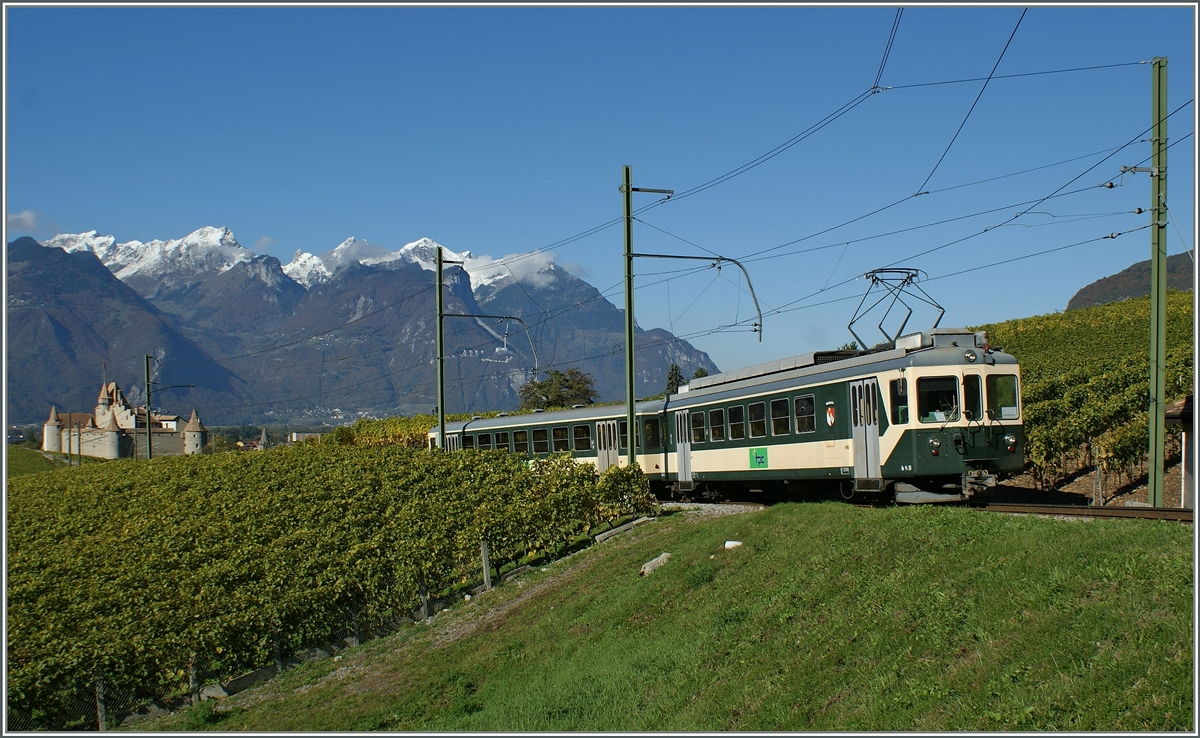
x,y
534,269
28,221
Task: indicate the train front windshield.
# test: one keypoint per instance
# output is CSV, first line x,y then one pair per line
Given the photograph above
x,y
1002,397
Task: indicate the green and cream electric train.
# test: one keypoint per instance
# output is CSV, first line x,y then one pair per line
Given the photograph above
x,y
934,416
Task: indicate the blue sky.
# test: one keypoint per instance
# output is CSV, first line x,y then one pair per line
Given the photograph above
x,y
504,130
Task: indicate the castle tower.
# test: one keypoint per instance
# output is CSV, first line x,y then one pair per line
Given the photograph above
x,y
104,411
52,433
195,435
108,440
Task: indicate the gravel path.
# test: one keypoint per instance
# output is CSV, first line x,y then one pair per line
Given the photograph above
x,y
708,509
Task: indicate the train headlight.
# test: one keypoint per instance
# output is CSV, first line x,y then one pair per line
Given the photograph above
x,y
1011,441
970,356
934,444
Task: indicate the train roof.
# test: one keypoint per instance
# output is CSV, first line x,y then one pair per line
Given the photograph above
x,y
913,349
927,348
591,412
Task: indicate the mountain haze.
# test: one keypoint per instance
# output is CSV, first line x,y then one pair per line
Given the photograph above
x,y
328,336
72,323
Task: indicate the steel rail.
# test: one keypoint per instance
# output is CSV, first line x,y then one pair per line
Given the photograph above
x,y
1089,511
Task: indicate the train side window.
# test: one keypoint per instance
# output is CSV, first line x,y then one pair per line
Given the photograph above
x,y
1002,397
937,399
806,414
737,423
652,432
541,441
698,427
758,419
623,433
468,442
972,397
716,425
485,441
562,441
502,441
899,401
582,437
781,423
521,441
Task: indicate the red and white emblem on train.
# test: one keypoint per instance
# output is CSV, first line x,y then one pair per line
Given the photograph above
x,y
829,415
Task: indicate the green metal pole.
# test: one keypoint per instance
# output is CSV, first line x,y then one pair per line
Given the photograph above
x,y
630,384
441,354
148,452
1158,280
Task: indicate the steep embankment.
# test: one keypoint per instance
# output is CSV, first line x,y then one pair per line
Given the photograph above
x,y
827,617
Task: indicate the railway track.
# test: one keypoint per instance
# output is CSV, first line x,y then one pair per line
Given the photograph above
x,y
1081,511
1089,511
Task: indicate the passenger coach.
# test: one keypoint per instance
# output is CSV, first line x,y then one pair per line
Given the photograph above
x,y
934,417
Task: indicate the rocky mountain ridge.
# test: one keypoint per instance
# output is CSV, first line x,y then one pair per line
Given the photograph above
x,y
331,336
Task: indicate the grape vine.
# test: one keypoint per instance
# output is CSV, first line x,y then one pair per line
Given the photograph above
x,y
131,569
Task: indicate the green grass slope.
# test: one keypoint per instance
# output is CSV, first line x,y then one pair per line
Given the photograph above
x,y
827,618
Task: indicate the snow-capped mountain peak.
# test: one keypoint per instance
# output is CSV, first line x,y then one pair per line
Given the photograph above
x,y
423,252
208,249
307,269
152,266
158,263
101,246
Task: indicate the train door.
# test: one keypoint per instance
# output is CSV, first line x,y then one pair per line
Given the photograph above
x,y
864,419
683,449
606,444
453,441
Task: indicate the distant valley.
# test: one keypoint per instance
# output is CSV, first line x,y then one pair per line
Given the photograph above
x,y
245,338
326,338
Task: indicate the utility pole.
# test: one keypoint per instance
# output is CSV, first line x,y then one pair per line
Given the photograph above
x,y
630,367
1158,277
441,345
441,348
441,358
148,452
1158,280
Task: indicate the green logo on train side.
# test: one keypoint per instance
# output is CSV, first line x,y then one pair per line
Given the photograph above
x,y
758,458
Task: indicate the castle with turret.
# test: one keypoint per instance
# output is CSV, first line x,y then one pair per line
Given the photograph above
x,y
115,430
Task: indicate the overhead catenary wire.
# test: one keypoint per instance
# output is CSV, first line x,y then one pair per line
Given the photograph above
x,y
1038,202
973,104
786,308
750,256
973,235
1037,253
783,147
887,50
616,221
1014,76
